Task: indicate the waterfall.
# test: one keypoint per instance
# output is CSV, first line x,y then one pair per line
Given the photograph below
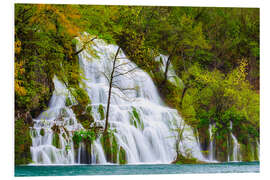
x,y
258,149
149,137
44,139
172,77
211,144
236,146
236,155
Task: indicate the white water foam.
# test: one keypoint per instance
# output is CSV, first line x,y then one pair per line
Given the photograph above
x,y
152,141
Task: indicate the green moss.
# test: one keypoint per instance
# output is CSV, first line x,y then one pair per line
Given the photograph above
x,y
114,149
23,142
83,116
135,119
76,147
88,109
82,96
106,144
56,132
186,160
135,124
56,141
110,146
86,137
122,156
34,134
68,101
135,114
42,132
101,112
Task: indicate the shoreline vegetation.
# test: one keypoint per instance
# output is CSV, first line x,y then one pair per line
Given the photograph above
x,y
214,52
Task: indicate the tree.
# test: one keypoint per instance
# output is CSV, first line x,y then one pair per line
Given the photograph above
x,y
110,90
204,46
179,131
216,98
176,35
115,72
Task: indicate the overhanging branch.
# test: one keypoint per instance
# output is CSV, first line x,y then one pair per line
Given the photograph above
x,y
76,53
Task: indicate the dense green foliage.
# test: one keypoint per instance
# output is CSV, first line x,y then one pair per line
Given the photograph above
x,y
42,45
219,99
22,142
215,51
114,152
84,135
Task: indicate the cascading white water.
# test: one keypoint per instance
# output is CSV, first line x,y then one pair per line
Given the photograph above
x,y
236,147
236,156
150,138
211,144
172,77
43,151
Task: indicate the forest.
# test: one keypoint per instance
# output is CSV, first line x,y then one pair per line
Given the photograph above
x,y
215,52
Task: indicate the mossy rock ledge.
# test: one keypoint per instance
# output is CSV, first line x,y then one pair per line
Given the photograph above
x,y
186,160
83,115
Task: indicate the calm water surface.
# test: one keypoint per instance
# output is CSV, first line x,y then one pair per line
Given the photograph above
x,y
81,170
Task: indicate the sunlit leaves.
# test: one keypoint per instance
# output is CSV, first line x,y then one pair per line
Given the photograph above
x,y
56,17
19,71
215,94
85,42
18,46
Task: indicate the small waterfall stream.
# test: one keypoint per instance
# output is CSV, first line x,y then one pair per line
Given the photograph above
x,y
147,139
172,77
211,157
236,146
233,155
57,116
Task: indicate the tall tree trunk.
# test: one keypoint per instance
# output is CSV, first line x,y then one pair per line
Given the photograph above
x,y
167,66
110,91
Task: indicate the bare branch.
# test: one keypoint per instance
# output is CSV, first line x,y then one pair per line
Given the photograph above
x,y
124,89
125,97
76,53
105,75
120,74
122,64
110,90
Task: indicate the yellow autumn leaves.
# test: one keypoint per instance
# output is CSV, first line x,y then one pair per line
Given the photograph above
x,y
19,89
53,15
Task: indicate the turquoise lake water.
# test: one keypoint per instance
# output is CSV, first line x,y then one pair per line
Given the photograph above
x,y
82,170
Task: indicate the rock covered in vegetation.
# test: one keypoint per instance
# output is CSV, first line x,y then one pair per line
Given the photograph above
x,y
23,142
